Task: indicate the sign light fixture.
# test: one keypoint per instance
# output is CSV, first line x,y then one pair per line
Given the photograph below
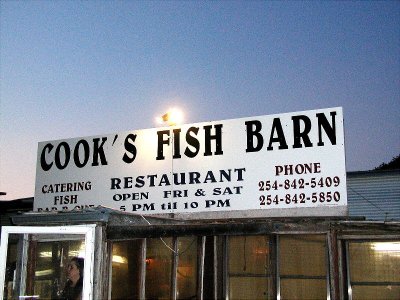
x,y
172,117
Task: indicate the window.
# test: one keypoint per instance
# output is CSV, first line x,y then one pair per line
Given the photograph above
x,y
126,269
159,261
34,260
49,263
169,267
250,268
233,267
373,270
187,268
303,267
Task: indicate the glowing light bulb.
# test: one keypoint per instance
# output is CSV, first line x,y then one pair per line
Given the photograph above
x,y
172,117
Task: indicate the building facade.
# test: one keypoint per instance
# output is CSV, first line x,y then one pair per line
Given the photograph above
x,y
147,257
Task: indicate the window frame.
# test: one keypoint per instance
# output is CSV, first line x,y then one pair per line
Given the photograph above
x,y
220,267
87,230
360,239
327,262
174,265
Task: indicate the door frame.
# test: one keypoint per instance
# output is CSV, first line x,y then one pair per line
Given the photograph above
x,y
88,230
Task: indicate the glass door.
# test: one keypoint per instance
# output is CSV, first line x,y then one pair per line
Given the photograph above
x,y
47,262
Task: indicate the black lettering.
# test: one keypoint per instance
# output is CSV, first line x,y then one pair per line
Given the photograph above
x,y
192,141
44,189
329,129
280,138
139,181
217,191
115,183
43,163
301,135
161,143
130,148
177,150
164,180
240,173
86,152
152,179
181,180
128,182
253,129
217,137
98,151
210,177
194,177
57,158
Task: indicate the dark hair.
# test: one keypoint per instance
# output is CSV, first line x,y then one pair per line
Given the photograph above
x,y
73,293
80,264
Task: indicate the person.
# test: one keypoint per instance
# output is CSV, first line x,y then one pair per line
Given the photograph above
x,y
74,284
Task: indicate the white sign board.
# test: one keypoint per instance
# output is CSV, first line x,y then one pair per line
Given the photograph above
x,y
292,160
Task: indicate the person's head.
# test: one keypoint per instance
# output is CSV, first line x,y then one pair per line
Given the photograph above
x,y
75,269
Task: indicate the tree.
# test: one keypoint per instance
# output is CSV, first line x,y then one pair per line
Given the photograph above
x,y
392,165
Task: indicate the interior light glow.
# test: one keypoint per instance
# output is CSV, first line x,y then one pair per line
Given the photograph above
x,y
174,116
46,254
79,253
392,248
261,251
185,272
149,261
43,273
119,259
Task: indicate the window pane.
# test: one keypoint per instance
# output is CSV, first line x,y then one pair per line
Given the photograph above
x,y
376,292
303,266
249,268
51,270
303,289
187,268
250,288
158,268
249,255
374,261
302,255
44,273
126,266
10,270
374,270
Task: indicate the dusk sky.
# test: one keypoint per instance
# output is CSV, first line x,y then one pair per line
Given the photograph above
x,y
81,68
